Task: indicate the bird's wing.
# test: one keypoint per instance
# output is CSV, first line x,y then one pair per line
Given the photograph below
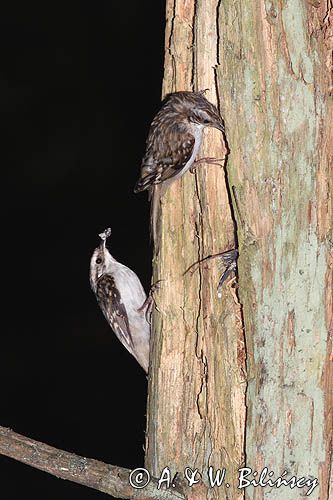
x,y
113,308
167,153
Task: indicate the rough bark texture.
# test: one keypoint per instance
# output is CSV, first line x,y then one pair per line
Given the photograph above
x,y
268,64
103,477
275,81
197,379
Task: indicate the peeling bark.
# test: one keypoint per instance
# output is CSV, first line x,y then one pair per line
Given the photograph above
x,y
275,77
268,64
197,379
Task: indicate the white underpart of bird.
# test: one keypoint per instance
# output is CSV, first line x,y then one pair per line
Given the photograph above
x,y
121,297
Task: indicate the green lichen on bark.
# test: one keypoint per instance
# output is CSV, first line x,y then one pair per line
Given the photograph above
x,y
274,116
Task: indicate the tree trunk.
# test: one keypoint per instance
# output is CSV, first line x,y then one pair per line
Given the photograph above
x,y
197,385
268,65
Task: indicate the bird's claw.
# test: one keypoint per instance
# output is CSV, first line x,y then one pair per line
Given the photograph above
x,y
148,303
229,262
209,160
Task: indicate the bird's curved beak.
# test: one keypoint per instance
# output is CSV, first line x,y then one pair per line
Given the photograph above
x,y
219,125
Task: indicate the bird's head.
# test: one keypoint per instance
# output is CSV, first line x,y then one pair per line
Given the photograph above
x,y
100,260
195,108
202,112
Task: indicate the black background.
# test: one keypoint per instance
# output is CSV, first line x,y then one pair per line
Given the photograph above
x,y
80,83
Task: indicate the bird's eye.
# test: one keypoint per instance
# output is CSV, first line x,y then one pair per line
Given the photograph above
x,y
98,260
206,120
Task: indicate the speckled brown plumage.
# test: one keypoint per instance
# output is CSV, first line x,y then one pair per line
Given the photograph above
x,y
172,137
173,143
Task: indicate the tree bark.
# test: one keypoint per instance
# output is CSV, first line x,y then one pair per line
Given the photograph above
x,y
196,408
276,80
268,65
103,477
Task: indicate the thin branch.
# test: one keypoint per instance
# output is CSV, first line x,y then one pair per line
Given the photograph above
x,y
103,477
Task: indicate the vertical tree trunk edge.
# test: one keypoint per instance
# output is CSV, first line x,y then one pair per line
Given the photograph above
x,y
269,66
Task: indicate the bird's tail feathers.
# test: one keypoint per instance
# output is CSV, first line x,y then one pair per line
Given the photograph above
x,y
144,183
155,193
